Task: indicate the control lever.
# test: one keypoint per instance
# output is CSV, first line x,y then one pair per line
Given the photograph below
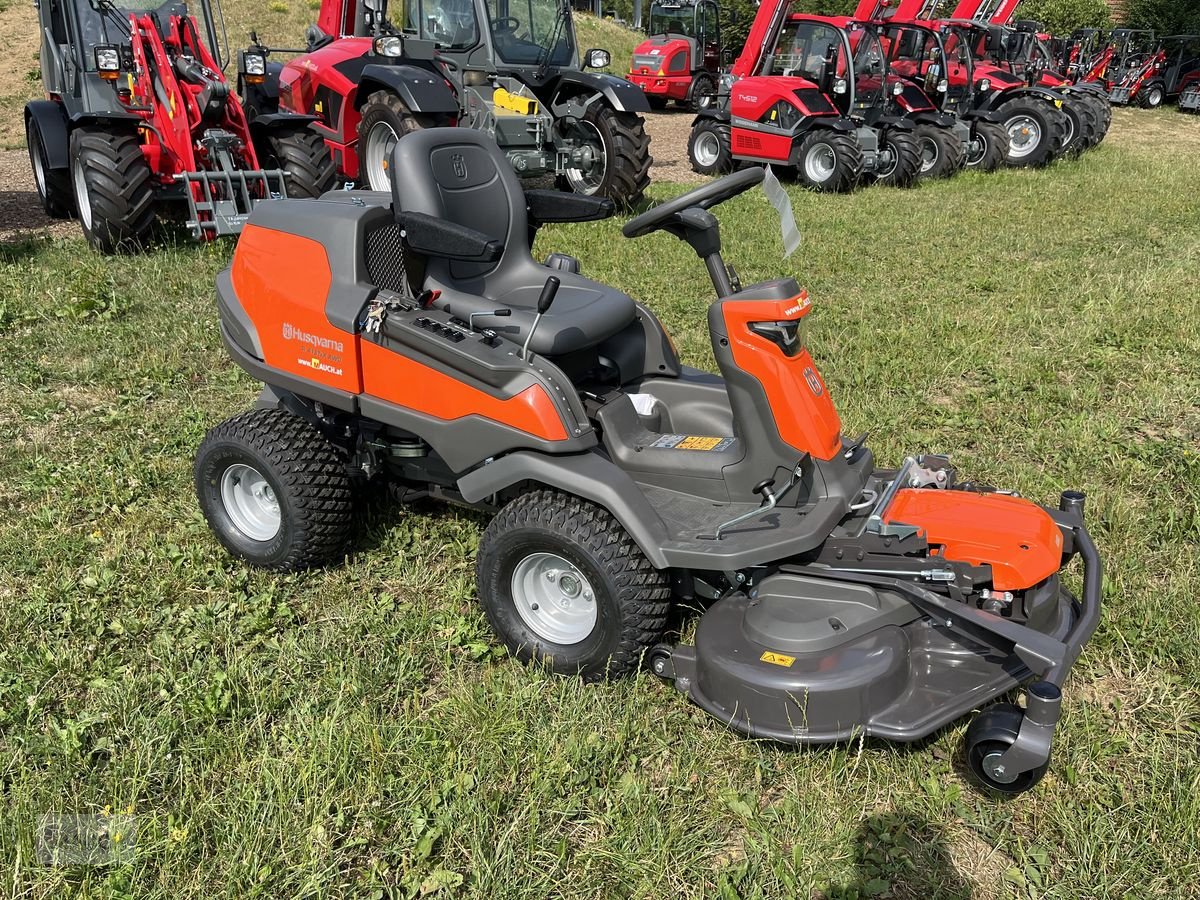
x,y
549,292
771,499
498,313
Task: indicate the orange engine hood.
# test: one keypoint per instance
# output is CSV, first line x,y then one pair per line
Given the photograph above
x,y
1018,539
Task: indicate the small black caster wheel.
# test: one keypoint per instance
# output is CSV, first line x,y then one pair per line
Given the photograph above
x,y
989,735
658,660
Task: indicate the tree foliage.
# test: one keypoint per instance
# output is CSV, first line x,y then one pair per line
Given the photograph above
x,y
1164,16
1064,16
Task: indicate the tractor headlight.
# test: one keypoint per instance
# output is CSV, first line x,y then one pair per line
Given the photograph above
x,y
391,46
597,59
985,84
898,88
839,86
108,60
943,86
253,67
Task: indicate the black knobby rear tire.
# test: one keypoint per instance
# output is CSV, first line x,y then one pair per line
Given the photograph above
x,y
1152,95
704,92
992,732
306,475
631,597
113,189
1051,131
941,151
709,148
1081,126
382,111
847,166
304,156
626,148
994,141
1103,109
906,167
53,185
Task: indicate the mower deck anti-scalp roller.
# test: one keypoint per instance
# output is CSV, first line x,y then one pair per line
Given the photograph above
x,y
410,341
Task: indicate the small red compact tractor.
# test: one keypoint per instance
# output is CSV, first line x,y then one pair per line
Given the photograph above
x,y
680,59
842,600
1171,70
140,122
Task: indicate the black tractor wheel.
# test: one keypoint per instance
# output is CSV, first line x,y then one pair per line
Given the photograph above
x,y
905,167
993,147
304,156
1081,126
1152,95
113,188
274,490
709,148
1103,109
620,150
941,151
704,92
53,185
828,161
385,119
989,735
564,584
1036,131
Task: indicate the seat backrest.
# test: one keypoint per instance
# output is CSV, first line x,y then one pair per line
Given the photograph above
x,y
460,175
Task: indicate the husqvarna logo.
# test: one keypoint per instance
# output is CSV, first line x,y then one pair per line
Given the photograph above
x,y
459,165
814,383
292,333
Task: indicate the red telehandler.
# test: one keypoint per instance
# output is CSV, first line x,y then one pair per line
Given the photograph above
x,y
139,121
680,59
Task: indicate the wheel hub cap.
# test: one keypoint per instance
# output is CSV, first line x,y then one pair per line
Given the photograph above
x,y
996,771
381,140
250,502
1024,136
707,149
820,163
553,598
589,165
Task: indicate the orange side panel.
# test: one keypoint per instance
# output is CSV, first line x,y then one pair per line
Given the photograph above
x,y
412,385
1016,538
804,414
282,281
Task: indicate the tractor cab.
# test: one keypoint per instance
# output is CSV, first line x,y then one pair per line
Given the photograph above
x,y
681,56
937,62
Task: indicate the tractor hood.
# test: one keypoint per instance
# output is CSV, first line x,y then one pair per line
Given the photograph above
x,y
650,57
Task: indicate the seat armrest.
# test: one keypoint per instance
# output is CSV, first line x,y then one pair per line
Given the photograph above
x,y
431,236
559,206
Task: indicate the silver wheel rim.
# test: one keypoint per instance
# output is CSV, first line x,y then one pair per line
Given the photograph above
x,y
381,140
1156,96
930,154
591,179
250,502
974,159
1024,136
554,599
707,149
39,170
83,199
888,170
820,162
990,764
704,95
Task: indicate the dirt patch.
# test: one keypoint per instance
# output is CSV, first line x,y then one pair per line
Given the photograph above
x,y
21,214
668,145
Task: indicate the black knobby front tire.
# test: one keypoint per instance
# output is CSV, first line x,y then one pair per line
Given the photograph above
x,y
710,150
839,177
1152,95
308,481
1051,125
382,112
626,149
53,185
990,734
631,597
305,158
941,151
704,92
993,140
905,169
1103,108
113,189
1081,126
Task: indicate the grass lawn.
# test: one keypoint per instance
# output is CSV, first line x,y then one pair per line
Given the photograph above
x,y
355,732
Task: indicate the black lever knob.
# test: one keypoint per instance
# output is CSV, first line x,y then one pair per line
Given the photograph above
x,y
549,292
761,487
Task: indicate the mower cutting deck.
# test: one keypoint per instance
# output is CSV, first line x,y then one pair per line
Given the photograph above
x,y
413,340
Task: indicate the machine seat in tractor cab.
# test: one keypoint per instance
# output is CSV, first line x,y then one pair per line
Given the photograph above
x,y
461,177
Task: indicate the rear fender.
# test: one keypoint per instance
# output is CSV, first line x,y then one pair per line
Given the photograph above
x,y
262,125
621,95
51,124
998,98
421,90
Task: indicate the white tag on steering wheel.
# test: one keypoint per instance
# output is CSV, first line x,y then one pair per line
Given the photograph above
x,y
779,199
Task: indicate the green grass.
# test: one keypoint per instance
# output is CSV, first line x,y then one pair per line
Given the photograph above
x,y
354,732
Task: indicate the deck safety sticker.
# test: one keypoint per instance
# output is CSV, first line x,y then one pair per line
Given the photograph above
x,y
777,659
692,442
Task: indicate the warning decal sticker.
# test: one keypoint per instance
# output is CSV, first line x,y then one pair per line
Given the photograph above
x,y
692,442
777,659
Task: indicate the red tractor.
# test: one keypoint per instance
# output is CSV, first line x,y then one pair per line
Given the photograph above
x,y
1170,71
681,57
140,121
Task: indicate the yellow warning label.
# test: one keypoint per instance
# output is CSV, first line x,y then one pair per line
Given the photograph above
x,y
692,442
777,659
695,442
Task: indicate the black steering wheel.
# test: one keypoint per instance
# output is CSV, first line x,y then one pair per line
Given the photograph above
x,y
706,197
506,25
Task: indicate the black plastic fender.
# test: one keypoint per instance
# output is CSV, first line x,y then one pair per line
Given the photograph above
x,y
587,475
716,115
830,123
999,98
267,122
984,115
622,95
931,117
421,90
107,117
51,122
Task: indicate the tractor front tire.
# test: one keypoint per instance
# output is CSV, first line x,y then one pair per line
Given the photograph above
x,y
1152,95
704,92
1036,131
113,187
993,141
906,160
274,490
53,185
564,585
941,151
709,149
625,147
304,157
385,119
1103,108
828,161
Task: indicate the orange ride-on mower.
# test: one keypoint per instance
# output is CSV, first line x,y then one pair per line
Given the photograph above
x,y
140,121
413,341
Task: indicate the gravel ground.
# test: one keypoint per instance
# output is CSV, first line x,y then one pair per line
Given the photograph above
x,y
21,215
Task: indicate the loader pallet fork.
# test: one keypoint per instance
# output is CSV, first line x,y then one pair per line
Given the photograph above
x,y
219,203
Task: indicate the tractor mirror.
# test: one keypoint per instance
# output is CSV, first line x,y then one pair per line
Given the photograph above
x,y
596,59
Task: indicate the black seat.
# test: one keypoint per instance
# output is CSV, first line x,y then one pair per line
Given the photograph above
x,y
460,175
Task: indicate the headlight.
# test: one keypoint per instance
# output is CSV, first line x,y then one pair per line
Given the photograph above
x,y
391,46
839,86
943,86
108,60
898,88
985,84
253,63
597,59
